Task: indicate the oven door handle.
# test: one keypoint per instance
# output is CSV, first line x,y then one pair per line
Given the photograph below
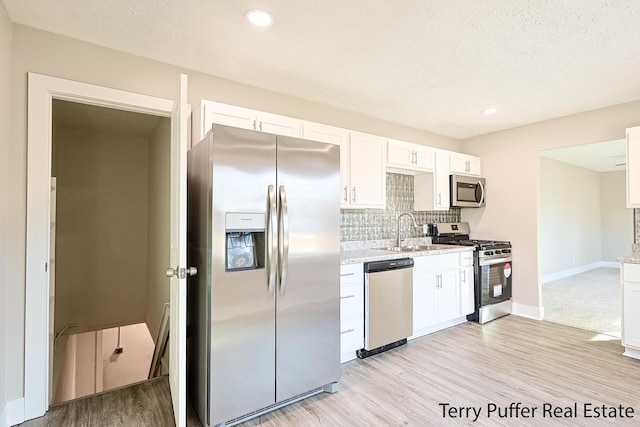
x,y
495,261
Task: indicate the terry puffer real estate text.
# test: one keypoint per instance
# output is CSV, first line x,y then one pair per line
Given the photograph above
x,y
546,410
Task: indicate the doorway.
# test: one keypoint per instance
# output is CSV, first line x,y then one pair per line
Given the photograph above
x,y
584,227
112,173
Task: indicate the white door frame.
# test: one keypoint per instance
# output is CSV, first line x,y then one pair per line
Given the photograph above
x,y
41,92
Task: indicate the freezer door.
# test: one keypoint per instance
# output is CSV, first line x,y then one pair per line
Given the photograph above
x,y
308,307
242,313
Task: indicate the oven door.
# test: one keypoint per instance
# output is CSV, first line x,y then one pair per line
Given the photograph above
x,y
494,280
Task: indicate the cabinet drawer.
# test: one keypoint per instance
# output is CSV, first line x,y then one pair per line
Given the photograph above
x,y
631,272
351,334
352,274
351,300
466,258
436,262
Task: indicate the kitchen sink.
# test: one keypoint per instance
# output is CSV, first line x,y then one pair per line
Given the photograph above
x,y
415,248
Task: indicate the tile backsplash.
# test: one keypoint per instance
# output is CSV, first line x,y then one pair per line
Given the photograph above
x,y
377,224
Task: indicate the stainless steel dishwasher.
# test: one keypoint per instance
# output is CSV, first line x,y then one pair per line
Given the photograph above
x,y
388,305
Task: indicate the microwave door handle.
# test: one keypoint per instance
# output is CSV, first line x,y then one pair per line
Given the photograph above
x,y
481,193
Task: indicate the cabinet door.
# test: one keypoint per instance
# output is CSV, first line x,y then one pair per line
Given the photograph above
x,y
467,303
441,176
424,157
333,135
409,156
278,125
223,114
367,171
423,295
464,164
631,314
447,295
400,154
633,167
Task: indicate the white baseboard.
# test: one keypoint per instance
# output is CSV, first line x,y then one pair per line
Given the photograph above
x,y
528,311
573,271
12,413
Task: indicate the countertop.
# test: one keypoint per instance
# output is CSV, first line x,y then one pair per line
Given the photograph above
x,y
632,258
353,256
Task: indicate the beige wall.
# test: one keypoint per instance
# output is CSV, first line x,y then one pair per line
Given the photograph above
x,y
617,220
158,224
510,165
5,295
570,221
101,238
46,53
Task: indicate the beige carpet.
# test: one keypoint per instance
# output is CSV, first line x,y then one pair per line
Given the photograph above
x,y
589,301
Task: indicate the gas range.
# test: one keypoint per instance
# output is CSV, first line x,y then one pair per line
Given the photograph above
x,y
492,269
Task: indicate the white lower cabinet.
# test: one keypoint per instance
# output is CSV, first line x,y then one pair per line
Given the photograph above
x,y
631,309
467,281
442,291
351,310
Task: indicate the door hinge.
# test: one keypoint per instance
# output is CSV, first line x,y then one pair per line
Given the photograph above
x,y
181,272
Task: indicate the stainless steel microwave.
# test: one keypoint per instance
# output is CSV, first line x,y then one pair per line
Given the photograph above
x,y
467,191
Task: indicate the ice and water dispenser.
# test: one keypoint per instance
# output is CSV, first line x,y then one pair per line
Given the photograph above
x,y
245,240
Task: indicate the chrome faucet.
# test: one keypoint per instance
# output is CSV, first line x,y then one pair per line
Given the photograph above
x,y
415,224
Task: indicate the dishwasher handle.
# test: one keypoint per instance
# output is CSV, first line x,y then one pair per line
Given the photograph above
x,y
389,264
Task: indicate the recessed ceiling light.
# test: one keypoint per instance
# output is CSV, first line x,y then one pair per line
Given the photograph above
x,y
258,17
490,110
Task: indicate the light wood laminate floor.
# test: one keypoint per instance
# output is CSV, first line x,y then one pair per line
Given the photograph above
x,y
503,362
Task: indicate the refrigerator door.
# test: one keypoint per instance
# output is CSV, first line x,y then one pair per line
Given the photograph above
x,y
242,311
308,308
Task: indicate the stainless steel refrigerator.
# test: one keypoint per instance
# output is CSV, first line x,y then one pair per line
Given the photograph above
x,y
264,309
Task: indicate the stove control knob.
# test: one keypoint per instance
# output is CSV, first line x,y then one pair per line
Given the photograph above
x,y
488,253
498,252
506,251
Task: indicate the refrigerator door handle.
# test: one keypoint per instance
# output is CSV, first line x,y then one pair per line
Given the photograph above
x,y
283,240
271,240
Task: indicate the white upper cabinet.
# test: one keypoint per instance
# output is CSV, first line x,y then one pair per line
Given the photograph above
x,y
228,115
464,164
324,133
412,157
278,125
365,159
245,118
633,167
364,172
431,190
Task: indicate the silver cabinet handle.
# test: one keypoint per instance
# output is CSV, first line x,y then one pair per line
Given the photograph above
x,y
464,276
346,194
347,331
283,239
439,199
347,296
353,199
272,241
347,274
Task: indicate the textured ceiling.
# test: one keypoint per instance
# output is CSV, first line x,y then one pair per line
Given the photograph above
x,y
605,156
429,64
